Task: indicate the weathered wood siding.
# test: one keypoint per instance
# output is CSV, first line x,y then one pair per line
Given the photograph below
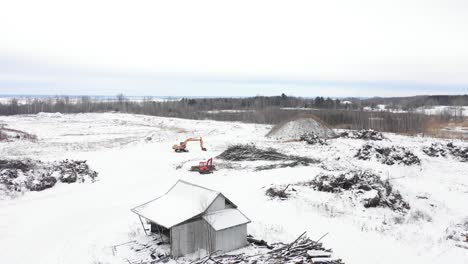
x,y
231,238
218,204
190,237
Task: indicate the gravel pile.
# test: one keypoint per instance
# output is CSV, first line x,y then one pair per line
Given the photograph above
x,y
387,155
295,128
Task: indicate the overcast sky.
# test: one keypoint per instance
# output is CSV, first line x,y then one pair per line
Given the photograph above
x,y
234,48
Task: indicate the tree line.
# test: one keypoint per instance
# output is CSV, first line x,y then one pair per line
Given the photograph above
x,y
412,102
258,109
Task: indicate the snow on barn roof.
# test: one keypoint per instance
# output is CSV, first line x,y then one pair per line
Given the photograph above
x,y
226,218
182,202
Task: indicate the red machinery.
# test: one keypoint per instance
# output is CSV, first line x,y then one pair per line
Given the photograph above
x,y
204,167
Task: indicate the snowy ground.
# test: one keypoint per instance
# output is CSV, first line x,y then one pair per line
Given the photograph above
x,y
79,223
444,109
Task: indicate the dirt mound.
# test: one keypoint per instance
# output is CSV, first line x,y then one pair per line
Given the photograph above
x,y
295,128
35,175
366,134
387,155
367,186
250,152
441,150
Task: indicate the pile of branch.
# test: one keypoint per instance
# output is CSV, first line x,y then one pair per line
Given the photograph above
x,y
312,139
279,193
441,150
366,134
459,233
301,250
150,250
365,185
74,170
250,152
34,175
387,155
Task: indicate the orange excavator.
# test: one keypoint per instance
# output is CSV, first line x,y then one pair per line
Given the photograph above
x,y
182,146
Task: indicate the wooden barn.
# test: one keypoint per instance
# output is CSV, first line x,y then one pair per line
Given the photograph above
x,y
194,218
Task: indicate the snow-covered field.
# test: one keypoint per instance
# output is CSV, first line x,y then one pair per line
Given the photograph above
x,y
444,110
79,223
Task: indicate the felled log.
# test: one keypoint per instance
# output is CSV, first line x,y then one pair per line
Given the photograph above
x,y
301,250
257,242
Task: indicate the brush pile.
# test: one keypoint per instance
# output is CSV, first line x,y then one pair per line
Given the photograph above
x,y
365,185
312,139
366,134
459,233
441,150
302,250
279,193
35,175
250,152
70,171
387,155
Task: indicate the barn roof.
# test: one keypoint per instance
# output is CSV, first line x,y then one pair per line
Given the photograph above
x,y
226,218
182,202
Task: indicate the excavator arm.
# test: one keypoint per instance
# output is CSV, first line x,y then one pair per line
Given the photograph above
x,y
183,145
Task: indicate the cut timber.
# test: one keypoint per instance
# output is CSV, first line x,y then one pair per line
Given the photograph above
x,y
318,254
322,260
